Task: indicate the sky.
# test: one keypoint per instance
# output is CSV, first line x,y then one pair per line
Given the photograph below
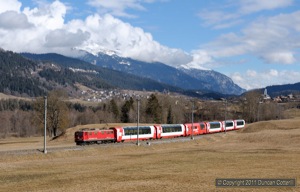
x,y
254,42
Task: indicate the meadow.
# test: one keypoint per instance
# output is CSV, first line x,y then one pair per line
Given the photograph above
x,y
268,149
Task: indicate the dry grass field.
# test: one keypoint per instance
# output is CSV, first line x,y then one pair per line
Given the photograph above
x,y
268,149
4,96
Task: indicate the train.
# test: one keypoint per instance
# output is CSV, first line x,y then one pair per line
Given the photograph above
x,y
152,132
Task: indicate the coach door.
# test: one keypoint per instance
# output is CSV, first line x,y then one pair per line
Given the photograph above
x,y
158,131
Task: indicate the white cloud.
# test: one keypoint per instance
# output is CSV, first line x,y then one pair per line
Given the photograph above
x,y
251,73
200,57
30,28
273,73
233,12
14,20
250,6
274,39
217,18
108,32
279,57
115,7
11,5
48,16
119,7
62,38
43,29
253,79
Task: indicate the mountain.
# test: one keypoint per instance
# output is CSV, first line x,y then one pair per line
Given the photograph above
x,y
197,80
35,74
217,81
99,77
17,75
277,90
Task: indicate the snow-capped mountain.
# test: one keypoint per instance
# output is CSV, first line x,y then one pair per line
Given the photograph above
x,y
221,82
188,79
95,49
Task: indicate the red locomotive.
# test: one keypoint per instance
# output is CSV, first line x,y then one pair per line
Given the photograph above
x,y
90,136
198,128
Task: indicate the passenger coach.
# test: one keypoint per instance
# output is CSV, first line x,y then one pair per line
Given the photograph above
x,y
228,125
239,123
214,127
170,130
131,133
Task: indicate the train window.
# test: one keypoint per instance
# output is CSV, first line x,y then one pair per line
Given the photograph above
x,y
134,130
145,130
214,125
171,128
240,122
202,126
229,124
78,134
131,132
125,132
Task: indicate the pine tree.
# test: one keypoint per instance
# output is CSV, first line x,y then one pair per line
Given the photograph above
x,y
153,109
125,111
170,115
114,109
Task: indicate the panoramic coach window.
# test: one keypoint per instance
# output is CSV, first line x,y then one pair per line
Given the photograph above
x,y
214,125
229,124
171,128
134,131
240,123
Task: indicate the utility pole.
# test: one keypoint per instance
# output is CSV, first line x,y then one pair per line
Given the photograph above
x,y
225,115
192,133
45,127
138,120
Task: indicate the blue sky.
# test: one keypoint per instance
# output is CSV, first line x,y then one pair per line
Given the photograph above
x,y
254,42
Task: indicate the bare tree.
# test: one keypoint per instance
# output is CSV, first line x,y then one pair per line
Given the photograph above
x,y
5,124
252,106
57,112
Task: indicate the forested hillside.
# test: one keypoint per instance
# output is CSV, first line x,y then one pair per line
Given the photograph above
x,y
34,75
16,75
277,90
102,77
